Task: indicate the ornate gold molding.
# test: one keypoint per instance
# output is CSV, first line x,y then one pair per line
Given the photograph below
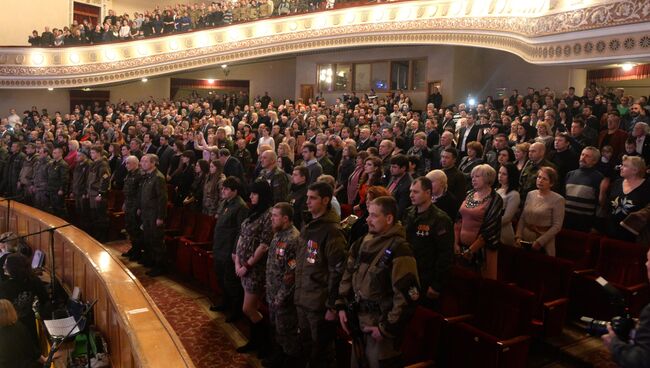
x,y
417,22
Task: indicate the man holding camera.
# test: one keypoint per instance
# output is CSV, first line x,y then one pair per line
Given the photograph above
x,y
635,353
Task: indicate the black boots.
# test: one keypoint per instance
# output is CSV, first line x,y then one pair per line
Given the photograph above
x,y
255,339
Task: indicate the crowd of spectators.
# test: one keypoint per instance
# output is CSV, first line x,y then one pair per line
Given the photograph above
x,y
171,19
542,160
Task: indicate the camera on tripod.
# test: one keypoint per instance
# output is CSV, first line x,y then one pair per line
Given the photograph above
x,y
622,324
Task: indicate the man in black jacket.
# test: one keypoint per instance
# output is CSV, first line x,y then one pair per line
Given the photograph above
x,y
298,194
400,182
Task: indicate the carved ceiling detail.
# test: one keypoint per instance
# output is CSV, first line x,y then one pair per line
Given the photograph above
x,y
386,24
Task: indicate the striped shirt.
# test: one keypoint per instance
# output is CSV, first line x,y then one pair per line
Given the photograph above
x,y
582,190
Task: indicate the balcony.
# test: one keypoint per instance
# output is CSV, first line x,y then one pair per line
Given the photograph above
x,y
548,32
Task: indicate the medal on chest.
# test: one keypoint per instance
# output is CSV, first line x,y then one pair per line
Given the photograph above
x,y
312,251
280,250
423,230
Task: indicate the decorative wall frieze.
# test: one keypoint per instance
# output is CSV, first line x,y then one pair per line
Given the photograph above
x,y
416,23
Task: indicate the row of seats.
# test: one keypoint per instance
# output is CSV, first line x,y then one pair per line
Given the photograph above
x,y
495,320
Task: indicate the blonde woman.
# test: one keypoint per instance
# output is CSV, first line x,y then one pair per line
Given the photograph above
x,y
629,194
17,348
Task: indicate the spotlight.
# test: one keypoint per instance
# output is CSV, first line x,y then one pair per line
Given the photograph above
x,y
144,80
627,67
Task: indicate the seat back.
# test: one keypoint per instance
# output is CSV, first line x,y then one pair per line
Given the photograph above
x,y
503,310
421,338
459,295
545,276
174,218
506,262
578,247
204,228
622,262
188,221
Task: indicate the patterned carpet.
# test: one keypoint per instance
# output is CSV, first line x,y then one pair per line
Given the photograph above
x,y
209,341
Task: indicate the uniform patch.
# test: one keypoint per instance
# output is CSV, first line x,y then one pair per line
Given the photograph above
x,y
423,230
312,251
414,293
280,249
291,263
105,176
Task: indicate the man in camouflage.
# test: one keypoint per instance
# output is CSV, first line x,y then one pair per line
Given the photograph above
x,y
58,178
280,279
80,189
153,211
12,170
276,178
381,277
132,221
39,187
26,176
99,177
319,266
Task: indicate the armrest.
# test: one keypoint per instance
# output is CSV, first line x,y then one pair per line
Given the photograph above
x,y
458,319
203,245
424,364
556,303
514,341
117,213
634,288
586,271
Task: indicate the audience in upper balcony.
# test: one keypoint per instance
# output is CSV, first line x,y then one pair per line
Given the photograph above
x,y
177,18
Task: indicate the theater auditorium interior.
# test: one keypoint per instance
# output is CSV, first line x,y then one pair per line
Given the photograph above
x,y
325,183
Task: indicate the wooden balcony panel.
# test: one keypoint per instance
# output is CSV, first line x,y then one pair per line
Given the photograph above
x,y
138,335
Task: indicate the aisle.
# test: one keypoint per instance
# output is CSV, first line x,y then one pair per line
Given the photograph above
x,y
209,341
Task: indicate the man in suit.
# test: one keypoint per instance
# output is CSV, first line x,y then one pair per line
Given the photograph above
x,y
364,139
324,160
399,185
435,98
231,165
446,141
165,154
147,144
470,133
642,137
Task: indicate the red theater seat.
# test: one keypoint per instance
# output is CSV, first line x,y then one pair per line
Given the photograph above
x,y
549,279
213,283
622,264
459,295
578,247
498,333
421,336
200,236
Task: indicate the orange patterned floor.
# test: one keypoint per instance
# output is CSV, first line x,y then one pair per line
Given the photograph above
x,y
209,341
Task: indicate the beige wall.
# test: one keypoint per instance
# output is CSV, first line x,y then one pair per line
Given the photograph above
x,y
20,18
21,100
158,88
132,6
276,77
439,66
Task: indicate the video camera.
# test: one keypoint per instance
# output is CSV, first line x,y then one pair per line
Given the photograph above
x,y
622,324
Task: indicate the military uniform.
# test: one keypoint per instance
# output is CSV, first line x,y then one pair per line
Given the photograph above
x,y
39,189
298,199
230,215
11,173
132,222
153,206
212,194
99,177
279,182
381,276
528,177
319,266
79,191
431,235
26,179
58,178
280,281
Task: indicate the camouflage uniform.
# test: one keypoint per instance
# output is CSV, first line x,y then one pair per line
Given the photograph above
x,y
132,221
280,279
254,232
79,190
11,173
26,179
319,266
279,182
212,194
381,276
153,206
39,189
58,178
99,177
